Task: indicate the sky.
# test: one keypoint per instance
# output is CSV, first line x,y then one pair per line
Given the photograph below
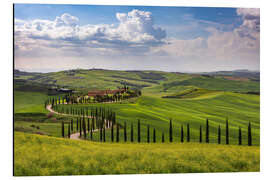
x,y
50,38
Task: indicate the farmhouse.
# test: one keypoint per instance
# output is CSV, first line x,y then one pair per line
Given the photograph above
x,y
104,92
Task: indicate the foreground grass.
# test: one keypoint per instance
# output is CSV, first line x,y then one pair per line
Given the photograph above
x,y
41,155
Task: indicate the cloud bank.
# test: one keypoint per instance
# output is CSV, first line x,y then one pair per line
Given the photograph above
x,y
136,35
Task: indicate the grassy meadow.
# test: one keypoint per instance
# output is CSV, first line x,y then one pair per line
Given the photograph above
x,y
185,98
42,155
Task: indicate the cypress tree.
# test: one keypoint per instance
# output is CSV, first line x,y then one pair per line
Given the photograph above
x,y
68,130
139,131
219,134
71,124
77,125
154,135
112,138
100,133
125,132
200,140
117,132
148,133
227,131
188,135
80,122
249,135
63,129
163,138
84,128
104,135
207,132
171,131
131,132
182,133
88,124
91,133
239,136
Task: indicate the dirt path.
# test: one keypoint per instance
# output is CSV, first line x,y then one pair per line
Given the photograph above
x,y
75,136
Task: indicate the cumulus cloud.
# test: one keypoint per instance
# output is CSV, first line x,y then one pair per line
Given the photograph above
x,y
136,32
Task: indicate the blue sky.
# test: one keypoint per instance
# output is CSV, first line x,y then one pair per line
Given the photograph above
x,y
161,35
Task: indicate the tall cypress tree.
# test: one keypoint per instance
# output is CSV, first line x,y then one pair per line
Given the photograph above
x,y
71,124
88,124
117,132
100,133
84,128
77,125
91,133
200,140
171,131
148,133
131,132
112,138
125,132
207,132
80,122
227,131
63,129
68,130
182,133
154,135
239,136
249,135
219,134
139,131
104,134
188,134
163,138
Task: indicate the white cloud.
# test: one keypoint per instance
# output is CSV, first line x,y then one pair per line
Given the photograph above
x,y
136,31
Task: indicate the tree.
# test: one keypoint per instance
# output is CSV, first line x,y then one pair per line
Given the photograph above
x,y
154,135
88,124
100,133
63,129
112,138
207,132
71,124
163,138
188,135
219,134
131,132
91,133
239,136
117,132
182,133
80,122
200,140
227,131
148,133
84,128
171,131
104,135
249,135
139,131
125,132
77,125
68,130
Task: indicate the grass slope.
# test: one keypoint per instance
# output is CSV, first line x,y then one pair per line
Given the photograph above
x,y
37,155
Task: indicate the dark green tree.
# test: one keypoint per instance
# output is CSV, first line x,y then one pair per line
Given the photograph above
x,y
182,133
148,133
207,132
171,131
112,137
63,129
80,122
117,132
154,135
68,130
139,131
71,125
104,134
249,135
239,136
227,131
125,132
188,134
84,128
163,138
131,132
200,140
219,134
77,125
88,124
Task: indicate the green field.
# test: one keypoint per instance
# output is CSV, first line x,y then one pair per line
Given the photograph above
x,y
184,98
41,155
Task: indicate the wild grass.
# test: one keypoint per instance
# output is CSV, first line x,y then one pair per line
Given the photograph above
x,y
37,155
